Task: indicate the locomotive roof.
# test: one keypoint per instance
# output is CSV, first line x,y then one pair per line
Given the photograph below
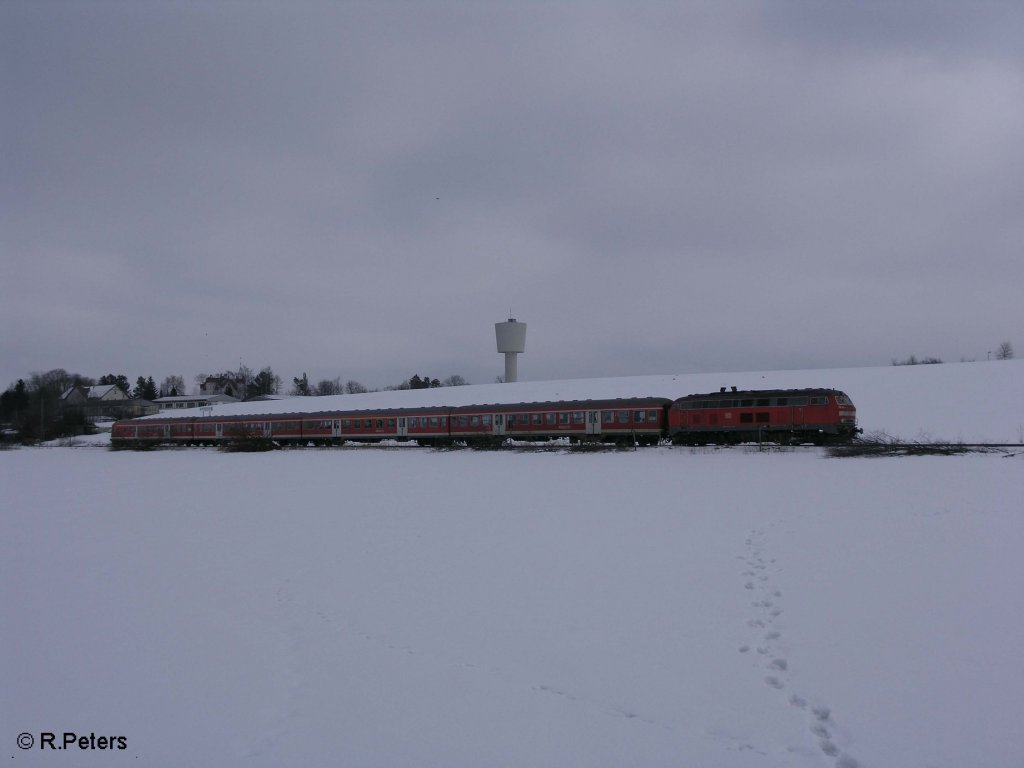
x,y
733,393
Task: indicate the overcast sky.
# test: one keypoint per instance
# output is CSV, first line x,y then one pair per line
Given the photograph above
x,y
363,189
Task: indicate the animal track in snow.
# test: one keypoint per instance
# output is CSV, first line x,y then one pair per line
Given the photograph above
x,y
767,602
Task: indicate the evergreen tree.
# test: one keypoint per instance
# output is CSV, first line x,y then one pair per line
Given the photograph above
x,y
145,389
119,380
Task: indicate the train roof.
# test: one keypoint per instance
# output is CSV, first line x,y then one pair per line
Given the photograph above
x,y
733,393
619,402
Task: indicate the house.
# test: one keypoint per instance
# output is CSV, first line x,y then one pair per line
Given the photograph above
x,y
106,392
174,402
105,401
223,385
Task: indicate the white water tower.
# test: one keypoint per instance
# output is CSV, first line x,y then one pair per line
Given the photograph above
x,y
511,341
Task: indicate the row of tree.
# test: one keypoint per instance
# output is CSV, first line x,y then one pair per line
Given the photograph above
x,y
1003,352
30,409
302,386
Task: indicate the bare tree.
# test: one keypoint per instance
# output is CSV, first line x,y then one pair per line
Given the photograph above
x,y
329,387
172,386
454,381
1005,351
354,388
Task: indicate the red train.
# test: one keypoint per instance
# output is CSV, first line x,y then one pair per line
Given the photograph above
x,y
783,416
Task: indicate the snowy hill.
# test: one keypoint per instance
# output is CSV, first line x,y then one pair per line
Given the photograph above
x,y
661,607
969,402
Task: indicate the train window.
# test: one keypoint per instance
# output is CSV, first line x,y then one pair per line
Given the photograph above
x,y
486,420
843,400
798,401
367,423
563,418
433,421
782,401
747,403
444,420
536,418
623,417
639,417
746,418
819,401
463,421
578,417
762,402
762,418
475,421
549,419
652,415
608,417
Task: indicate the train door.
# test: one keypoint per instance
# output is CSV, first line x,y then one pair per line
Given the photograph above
x,y
336,428
403,427
499,424
218,430
593,422
799,419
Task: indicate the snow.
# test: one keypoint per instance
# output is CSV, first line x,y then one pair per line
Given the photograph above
x,y
968,402
659,607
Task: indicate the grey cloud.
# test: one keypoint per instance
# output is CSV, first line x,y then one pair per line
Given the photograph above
x,y
362,189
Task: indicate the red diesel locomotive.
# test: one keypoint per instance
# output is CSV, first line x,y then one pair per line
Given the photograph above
x,y
777,415
784,416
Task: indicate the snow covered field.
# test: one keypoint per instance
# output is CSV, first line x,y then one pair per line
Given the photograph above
x,y
407,607
965,402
